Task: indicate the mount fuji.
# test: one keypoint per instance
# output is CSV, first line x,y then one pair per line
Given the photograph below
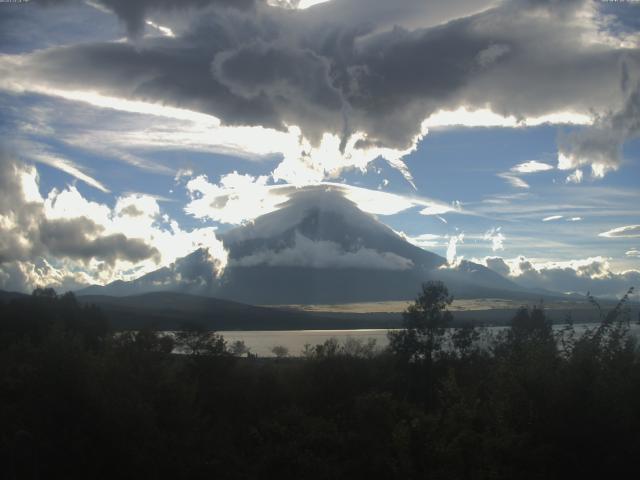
x,y
319,247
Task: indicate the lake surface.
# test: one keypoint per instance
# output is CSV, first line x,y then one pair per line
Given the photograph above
x,y
262,342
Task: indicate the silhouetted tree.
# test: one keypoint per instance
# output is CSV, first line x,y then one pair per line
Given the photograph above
x,y
196,340
280,351
424,324
239,348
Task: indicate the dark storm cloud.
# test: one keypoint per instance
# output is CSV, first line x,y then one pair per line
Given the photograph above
x,y
197,268
169,73
283,76
134,12
78,238
333,72
601,145
26,233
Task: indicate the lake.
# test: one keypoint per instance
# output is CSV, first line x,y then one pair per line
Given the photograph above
x,y
261,342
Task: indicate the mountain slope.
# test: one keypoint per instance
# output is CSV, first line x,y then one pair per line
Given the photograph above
x,y
318,248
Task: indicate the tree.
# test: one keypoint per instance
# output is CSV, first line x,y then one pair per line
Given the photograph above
x,y
424,324
49,293
531,325
355,347
465,340
280,351
239,348
530,338
145,340
196,340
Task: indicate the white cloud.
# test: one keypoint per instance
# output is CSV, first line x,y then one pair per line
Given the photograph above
x,y
425,240
514,180
69,167
496,237
453,260
552,218
182,173
27,275
574,219
309,3
575,177
69,203
235,199
633,253
27,176
324,254
304,164
465,117
628,231
438,209
593,274
379,202
166,31
239,198
532,166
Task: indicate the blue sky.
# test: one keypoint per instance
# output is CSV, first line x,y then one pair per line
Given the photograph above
x,y
550,165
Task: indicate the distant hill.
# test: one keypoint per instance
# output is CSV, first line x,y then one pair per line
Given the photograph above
x,y
8,296
170,310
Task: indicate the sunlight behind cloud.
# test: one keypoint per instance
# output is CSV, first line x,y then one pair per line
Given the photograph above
x,y
29,183
237,198
302,164
98,99
310,3
166,31
487,118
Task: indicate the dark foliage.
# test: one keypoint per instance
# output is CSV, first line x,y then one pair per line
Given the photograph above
x,y
79,401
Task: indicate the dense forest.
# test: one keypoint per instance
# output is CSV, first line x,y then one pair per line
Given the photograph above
x,y
78,400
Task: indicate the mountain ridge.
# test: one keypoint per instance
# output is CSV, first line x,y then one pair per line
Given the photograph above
x,y
319,247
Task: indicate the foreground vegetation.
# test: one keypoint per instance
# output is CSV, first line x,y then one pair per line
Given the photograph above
x,y
80,401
